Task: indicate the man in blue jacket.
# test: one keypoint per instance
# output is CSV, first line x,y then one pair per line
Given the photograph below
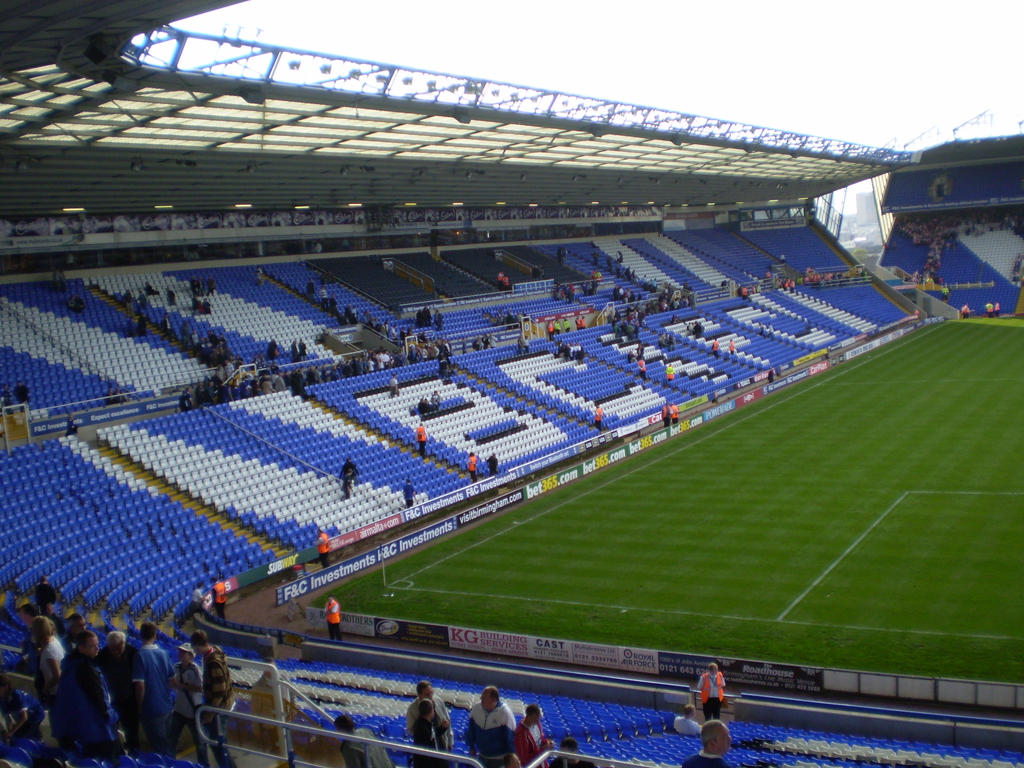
x,y
492,728
83,712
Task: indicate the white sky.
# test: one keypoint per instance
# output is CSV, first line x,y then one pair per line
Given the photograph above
x,y
877,73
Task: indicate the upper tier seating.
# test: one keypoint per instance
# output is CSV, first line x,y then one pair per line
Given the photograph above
x,y
588,260
802,247
677,273
549,267
248,315
448,280
708,273
482,264
953,187
724,251
636,261
367,275
300,277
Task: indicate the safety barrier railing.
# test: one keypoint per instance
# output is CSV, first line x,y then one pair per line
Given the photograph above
x,y
234,425
291,747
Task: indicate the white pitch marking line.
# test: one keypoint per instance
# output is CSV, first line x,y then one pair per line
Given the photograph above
x,y
845,552
677,612
860,538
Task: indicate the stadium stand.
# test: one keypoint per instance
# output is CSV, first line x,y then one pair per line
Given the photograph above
x,y
367,275
725,252
247,314
800,247
95,341
124,531
941,249
144,548
954,187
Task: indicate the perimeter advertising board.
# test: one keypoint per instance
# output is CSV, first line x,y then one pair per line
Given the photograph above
x,y
309,583
739,672
103,415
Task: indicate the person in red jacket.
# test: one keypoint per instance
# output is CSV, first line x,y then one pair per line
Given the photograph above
x,y
529,738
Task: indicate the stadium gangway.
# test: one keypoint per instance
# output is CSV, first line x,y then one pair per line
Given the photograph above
x,y
432,333
289,730
145,394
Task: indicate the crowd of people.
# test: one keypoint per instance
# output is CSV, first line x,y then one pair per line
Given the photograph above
x,y
102,697
495,738
940,233
105,698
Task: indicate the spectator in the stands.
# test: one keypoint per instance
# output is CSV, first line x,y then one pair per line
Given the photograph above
x,y
83,712
20,714
153,677
530,740
28,663
686,724
45,594
116,661
491,730
357,754
426,733
75,627
51,653
349,474
569,744
715,742
21,392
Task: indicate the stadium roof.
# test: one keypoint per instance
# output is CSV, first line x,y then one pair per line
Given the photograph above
x,y
200,122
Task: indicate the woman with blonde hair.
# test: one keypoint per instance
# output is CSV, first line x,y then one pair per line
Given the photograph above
x,y
51,654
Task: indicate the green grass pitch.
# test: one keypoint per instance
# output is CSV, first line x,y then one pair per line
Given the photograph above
x,y
869,518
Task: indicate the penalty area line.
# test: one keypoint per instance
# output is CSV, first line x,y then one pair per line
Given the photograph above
x,y
831,566
699,614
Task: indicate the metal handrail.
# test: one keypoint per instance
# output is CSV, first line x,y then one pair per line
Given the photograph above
x,y
289,728
317,470
540,759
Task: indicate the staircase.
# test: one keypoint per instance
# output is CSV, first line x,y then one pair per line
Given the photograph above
x,y
201,509
151,327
